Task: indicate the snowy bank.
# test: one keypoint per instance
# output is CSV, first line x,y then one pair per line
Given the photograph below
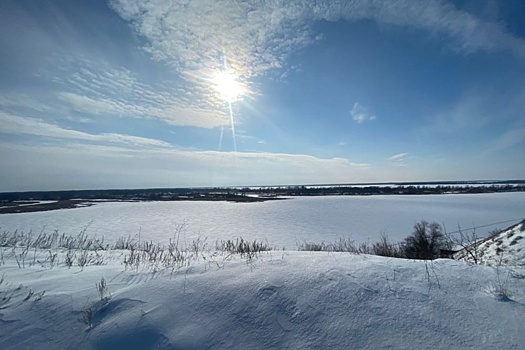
x,y
279,299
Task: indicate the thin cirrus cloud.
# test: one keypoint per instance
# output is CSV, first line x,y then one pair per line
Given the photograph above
x,y
508,139
398,159
162,166
29,126
256,36
360,114
252,38
119,92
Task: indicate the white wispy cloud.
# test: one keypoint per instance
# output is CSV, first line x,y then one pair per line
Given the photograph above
x,y
398,159
466,32
471,112
74,162
361,114
108,91
10,124
253,36
259,35
26,102
506,140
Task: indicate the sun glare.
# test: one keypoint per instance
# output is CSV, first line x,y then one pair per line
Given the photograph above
x,y
228,86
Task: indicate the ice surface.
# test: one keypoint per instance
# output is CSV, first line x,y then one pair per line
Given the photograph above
x,y
280,299
281,223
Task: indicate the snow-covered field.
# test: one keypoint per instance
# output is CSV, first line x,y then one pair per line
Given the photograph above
x,y
280,299
281,223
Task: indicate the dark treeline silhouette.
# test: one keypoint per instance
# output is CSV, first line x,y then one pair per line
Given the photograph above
x,y
264,193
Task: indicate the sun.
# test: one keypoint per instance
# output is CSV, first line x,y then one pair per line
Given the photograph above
x,y
228,86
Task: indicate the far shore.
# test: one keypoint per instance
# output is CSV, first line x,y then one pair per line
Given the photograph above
x,y
27,202
36,206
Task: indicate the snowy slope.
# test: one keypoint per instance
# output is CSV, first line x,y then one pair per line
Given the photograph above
x,y
280,300
504,248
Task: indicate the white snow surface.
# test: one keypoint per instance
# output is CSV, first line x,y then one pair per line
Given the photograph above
x,y
279,300
283,223
506,247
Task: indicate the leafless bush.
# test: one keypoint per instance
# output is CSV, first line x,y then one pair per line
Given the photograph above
x,y
87,318
500,288
425,242
341,245
386,248
21,257
102,289
82,259
469,243
314,247
240,246
69,260
46,240
125,243
29,294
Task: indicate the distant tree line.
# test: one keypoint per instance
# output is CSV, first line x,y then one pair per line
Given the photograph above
x,y
242,194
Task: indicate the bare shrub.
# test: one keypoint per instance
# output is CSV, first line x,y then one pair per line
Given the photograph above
x,y
240,246
314,247
469,243
425,242
386,248
102,289
87,318
29,294
70,258
500,288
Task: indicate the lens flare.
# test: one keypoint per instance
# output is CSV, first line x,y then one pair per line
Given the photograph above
x,y
233,127
230,89
227,86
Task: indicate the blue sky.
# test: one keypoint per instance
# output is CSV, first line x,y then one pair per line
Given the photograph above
x,y
124,93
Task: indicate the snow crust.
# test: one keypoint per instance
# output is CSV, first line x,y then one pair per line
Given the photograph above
x,y
279,300
506,247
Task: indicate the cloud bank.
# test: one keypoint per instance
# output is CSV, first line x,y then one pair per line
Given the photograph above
x,y
77,165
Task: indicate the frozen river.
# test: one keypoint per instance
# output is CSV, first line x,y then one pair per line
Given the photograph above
x,y
281,223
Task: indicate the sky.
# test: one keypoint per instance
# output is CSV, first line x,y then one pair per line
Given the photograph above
x,y
166,93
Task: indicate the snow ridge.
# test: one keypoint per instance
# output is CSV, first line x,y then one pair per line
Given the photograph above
x,y
505,248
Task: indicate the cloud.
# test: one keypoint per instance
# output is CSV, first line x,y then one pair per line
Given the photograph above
x,y
77,165
507,140
257,36
78,89
398,159
25,101
119,92
466,32
360,113
252,37
472,111
11,124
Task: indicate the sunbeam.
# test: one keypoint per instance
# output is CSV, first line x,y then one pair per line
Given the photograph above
x,y
230,89
220,139
233,127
